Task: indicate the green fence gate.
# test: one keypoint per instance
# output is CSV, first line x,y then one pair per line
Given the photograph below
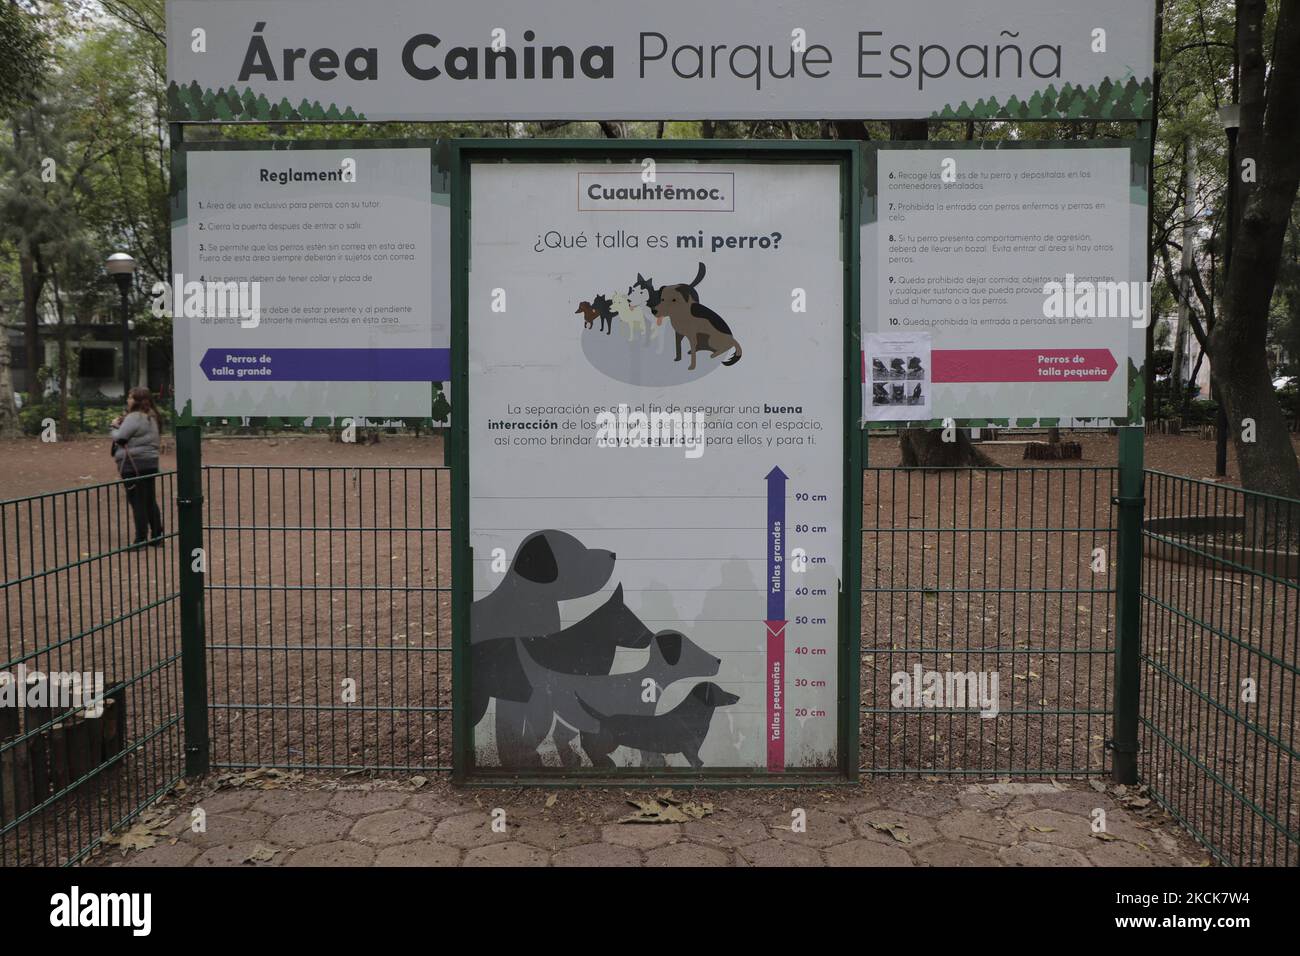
x,y
988,572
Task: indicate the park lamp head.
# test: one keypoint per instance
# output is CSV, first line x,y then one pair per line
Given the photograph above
x,y
1230,116
121,267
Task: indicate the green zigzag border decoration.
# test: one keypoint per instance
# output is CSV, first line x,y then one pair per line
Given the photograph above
x,y
193,102
1108,100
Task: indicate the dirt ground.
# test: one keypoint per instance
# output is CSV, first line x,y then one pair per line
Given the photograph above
x,y
330,563
30,467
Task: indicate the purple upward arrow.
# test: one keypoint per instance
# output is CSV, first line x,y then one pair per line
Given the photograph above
x,y
776,479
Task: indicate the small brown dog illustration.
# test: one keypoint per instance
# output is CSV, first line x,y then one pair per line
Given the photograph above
x,y
588,314
695,322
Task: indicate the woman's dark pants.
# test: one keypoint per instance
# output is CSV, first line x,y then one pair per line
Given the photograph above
x,y
144,502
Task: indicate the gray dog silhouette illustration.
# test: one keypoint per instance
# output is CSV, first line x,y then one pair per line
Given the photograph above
x,y
585,648
680,731
549,566
673,657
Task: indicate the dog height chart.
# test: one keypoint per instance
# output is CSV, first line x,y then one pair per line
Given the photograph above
x,y
656,439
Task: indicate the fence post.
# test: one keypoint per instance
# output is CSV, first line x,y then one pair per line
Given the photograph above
x,y
193,564
1128,606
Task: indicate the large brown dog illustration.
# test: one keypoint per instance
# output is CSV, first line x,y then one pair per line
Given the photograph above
x,y
695,322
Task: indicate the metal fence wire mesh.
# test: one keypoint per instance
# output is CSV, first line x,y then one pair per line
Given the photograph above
x,y
328,640
328,603
80,604
1220,629
988,572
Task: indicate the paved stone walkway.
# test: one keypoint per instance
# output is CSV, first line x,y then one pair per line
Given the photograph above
x,y
268,818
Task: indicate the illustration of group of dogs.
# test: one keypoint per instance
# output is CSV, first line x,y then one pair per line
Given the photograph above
x,y
548,679
691,321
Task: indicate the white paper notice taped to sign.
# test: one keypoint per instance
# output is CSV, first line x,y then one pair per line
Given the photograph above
x,y
898,377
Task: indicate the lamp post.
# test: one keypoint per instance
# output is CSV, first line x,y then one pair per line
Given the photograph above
x,y
122,268
1230,117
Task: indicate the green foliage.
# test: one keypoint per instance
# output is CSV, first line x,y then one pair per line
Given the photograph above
x,y
441,407
1106,100
24,56
260,425
87,420
1289,399
195,103
1201,412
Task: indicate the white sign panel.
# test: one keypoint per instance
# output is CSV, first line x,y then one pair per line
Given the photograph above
x,y
673,59
656,442
1024,268
343,253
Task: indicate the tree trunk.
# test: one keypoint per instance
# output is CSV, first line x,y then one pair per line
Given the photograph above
x,y
63,353
9,426
1177,383
923,448
1270,135
1149,371
31,280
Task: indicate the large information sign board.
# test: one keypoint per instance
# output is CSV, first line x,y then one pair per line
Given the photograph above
x,y
343,250
278,60
1004,283
658,387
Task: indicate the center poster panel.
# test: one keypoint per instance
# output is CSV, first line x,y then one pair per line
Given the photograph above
x,y
656,441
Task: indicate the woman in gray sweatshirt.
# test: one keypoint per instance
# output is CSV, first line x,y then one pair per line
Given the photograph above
x,y
136,440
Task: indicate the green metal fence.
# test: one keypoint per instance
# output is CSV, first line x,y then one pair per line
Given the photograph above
x,y
328,600
988,571
1220,638
76,599
323,618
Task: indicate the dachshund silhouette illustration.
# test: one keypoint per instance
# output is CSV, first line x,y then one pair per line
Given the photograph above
x,y
673,657
695,322
680,731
